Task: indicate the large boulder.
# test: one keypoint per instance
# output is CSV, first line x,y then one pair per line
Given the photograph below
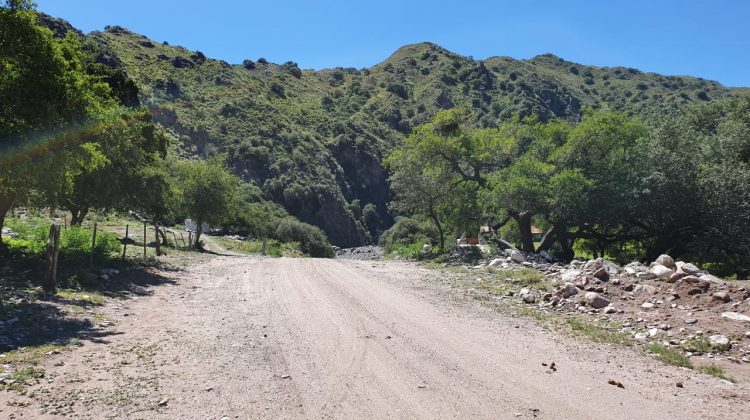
x,y
568,290
570,275
661,271
593,266
720,342
687,268
676,276
516,256
721,297
496,263
711,279
736,316
666,261
595,300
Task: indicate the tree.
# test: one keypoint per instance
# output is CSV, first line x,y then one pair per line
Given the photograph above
x,y
602,152
419,188
207,191
128,143
49,104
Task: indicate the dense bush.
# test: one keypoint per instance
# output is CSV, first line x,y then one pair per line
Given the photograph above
x,y
75,242
409,232
312,240
292,68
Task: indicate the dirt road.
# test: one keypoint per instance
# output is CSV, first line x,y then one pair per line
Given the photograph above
x,y
243,337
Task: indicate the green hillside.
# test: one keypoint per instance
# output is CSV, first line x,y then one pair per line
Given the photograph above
x,y
313,140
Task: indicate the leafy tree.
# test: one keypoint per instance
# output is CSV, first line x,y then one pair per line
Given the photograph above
x,y
128,144
207,191
50,104
420,188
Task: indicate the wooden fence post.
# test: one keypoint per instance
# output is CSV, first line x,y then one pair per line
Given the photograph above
x,y
190,240
125,242
93,248
158,240
144,239
53,251
57,255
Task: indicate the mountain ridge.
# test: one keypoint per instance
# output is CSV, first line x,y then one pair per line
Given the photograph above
x,y
313,140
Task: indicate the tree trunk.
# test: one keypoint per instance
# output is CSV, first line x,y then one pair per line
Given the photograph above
x,y
49,284
198,232
563,238
77,215
6,203
524,226
157,240
435,219
548,240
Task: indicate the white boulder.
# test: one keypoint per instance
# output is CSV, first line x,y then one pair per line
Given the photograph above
x,y
661,271
665,260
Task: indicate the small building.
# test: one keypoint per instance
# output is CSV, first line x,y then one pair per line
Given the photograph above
x,y
536,234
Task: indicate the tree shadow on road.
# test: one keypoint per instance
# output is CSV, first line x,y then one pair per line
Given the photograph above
x,y
34,319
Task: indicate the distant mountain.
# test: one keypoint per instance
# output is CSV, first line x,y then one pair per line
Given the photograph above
x,y
313,141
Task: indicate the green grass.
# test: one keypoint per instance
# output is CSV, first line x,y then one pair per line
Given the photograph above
x,y
668,355
254,247
33,355
89,297
700,344
713,370
525,277
22,376
598,333
530,312
411,251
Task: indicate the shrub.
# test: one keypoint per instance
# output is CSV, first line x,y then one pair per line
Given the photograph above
x,y
248,64
399,90
278,90
76,242
409,231
312,240
292,68
31,236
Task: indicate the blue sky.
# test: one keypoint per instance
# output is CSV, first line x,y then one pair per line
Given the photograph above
x,y
709,39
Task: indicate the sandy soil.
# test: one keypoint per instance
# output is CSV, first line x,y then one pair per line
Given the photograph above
x,y
245,337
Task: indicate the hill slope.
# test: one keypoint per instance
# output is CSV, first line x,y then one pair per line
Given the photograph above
x,y
313,140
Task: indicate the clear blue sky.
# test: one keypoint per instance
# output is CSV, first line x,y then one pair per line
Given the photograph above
x,y
705,38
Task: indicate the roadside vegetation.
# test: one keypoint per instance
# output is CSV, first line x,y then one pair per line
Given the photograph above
x,y
611,185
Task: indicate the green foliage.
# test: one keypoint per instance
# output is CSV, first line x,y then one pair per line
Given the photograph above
x,y
207,190
599,333
409,232
668,355
75,242
50,105
312,240
713,370
344,121
30,235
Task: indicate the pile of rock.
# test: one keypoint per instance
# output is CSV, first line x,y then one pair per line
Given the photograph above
x,y
672,302
369,253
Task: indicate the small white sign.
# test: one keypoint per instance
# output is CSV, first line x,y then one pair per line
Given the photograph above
x,y
190,226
